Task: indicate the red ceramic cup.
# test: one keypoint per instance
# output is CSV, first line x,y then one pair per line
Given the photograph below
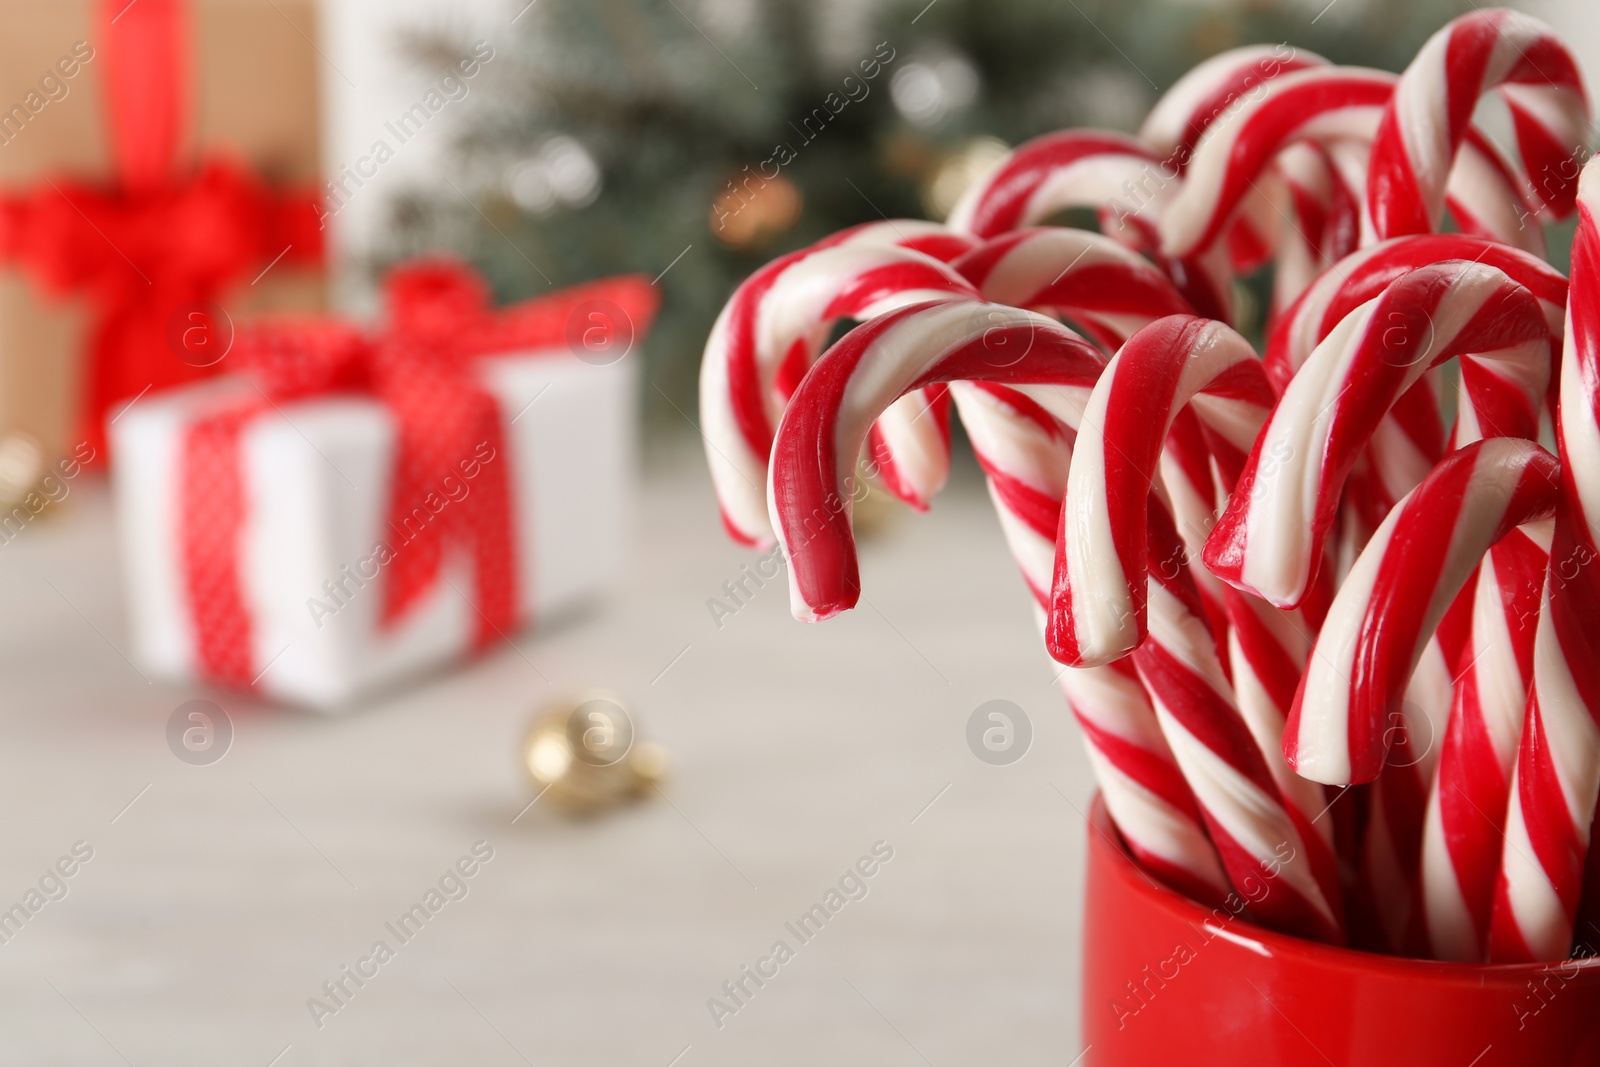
x,y
1167,981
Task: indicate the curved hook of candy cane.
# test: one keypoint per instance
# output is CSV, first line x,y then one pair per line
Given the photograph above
x,y
914,235
1319,104
1068,168
1097,610
1211,93
811,481
1395,595
910,443
1366,272
1431,111
1464,827
1099,283
1122,178
1213,90
1273,529
1411,437
1557,777
769,327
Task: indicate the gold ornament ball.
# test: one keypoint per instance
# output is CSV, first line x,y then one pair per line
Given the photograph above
x,y
22,467
584,755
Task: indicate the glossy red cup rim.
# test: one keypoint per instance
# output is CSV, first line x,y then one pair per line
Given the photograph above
x,y
1134,880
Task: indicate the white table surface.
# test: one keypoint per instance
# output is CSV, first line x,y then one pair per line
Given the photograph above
x,y
225,895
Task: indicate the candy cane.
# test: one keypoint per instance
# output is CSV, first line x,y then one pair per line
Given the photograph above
x,y
1557,775
770,325
1274,526
1268,649
809,490
1097,611
1025,453
1070,168
1319,104
1212,92
1260,839
1122,178
1364,274
1465,822
1488,197
1410,438
1348,709
1408,574
1432,108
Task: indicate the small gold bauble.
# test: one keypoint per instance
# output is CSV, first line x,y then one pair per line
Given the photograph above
x,y
583,753
22,466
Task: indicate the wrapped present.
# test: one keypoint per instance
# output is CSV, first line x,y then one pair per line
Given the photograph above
x,y
358,506
159,166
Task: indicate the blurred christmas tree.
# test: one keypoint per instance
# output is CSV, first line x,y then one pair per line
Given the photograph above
x,y
703,137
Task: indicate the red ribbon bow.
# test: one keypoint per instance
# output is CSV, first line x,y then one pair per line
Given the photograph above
x,y
420,366
159,236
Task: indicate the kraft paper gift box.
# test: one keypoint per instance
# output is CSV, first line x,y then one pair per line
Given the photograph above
x,y
160,110
318,476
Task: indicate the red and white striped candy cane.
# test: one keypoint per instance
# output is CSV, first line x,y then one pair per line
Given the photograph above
x,y
1465,825
1349,717
1122,178
1411,438
1488,196
1432,110
1025,452
1557,775
1548,826
809,483
1069,168
1097,611
1319,104
910,443
1365,273
1212,92
1272,532
766,337
1262,841
1267,648
1396,594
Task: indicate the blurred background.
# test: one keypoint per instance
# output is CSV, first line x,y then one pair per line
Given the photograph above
x,y
227,898
614,136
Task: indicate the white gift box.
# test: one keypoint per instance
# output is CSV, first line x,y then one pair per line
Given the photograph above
x,y
317,476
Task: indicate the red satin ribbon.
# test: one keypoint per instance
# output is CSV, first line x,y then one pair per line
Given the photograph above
x,y
160,234
420,366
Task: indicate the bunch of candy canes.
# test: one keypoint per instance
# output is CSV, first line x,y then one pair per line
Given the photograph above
x,y
1330,649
